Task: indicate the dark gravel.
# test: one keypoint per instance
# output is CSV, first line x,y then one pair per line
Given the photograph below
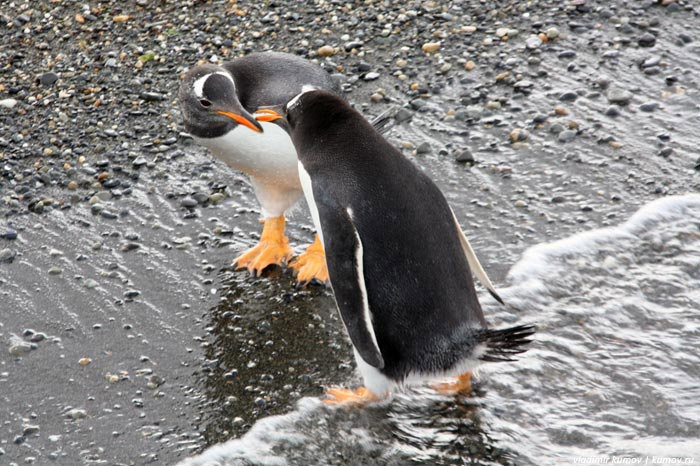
x,y
114,226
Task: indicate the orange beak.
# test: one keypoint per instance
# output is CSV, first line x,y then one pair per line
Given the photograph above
x,y
266,114
241,120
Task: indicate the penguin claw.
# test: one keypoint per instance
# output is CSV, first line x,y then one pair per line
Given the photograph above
x,y
461,385
349,397
265,254
311,265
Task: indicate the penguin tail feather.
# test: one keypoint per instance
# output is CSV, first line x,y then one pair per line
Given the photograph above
x,y
504,344
384,121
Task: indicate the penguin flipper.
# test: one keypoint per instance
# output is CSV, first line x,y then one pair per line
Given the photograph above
x,y
474,263
344,257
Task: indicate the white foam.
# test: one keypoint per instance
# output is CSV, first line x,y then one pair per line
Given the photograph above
x,y
537,262
257,444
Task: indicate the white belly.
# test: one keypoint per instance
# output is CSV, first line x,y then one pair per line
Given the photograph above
x,y
309,195
268,157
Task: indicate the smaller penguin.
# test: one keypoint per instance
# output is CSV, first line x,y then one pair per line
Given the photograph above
x,y
223,108
400,266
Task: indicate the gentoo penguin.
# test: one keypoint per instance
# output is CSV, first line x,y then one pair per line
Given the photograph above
x,y
225,109
398,261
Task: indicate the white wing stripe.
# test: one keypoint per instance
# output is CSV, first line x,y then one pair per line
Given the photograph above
x,y
363,288
474,263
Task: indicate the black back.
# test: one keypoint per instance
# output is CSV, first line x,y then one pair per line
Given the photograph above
x,y
273,78
419,284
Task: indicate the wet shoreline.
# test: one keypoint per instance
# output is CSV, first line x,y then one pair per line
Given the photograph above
x,y
121,322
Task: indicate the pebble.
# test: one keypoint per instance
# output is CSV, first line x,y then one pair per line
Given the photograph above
x,y
567,54
647,40
465,156
150,96
55,270
612,111
503,32
403,115
139,162
371,76
8,103
19,348
423,148
520,203
566,136
533,42
188,202
131,294
7,255
568,96
430,47
325,51
519,134
619,96
552,33
355,44
651,61
649,106
154,381
48,79
523,86
469,65
91,284
77,413
215,198
10,234
30,429
665,152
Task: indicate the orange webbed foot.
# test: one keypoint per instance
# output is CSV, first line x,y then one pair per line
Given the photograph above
x,y
273,249
349,397
461,385
311,265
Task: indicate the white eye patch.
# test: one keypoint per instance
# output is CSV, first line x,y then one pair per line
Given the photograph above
x,y
304,89
198,85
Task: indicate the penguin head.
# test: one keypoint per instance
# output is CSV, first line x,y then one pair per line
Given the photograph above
x,y
314,107
210,104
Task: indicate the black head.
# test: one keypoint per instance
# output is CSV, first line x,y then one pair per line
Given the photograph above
x,y
209,103
316,110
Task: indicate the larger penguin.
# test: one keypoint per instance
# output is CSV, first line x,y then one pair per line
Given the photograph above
x,y
221,110
398,261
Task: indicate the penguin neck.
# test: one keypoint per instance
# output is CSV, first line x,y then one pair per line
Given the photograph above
x,y
208,131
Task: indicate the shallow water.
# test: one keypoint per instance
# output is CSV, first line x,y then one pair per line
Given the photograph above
x,y
614,369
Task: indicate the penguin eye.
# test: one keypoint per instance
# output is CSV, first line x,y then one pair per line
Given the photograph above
x,y
205,103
